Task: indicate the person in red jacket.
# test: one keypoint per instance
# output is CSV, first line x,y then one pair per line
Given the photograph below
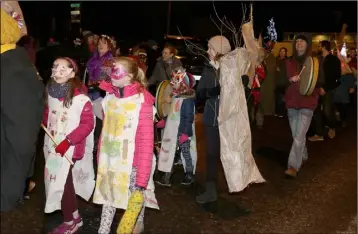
x,y
255,112
300,108
70,120
126,162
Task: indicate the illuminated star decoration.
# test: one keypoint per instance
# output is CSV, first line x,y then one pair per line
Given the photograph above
x,y
271,31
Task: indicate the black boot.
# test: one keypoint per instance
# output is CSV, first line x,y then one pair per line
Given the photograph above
x,y
210,194
165,180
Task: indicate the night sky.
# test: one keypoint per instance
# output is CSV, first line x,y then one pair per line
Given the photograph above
x,y
144,20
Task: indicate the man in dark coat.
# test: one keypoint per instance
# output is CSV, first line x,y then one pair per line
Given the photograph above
x,y
21,113
329,74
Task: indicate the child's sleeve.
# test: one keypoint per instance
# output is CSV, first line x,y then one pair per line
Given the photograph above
x,y
85,127
187,117
144,145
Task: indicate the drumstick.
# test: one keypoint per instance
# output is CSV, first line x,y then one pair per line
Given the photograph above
x,y
303,68
53,139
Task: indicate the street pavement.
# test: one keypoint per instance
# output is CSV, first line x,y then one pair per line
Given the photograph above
x,y
323,198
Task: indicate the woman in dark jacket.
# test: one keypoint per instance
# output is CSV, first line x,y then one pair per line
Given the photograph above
x,y
209,90
165,65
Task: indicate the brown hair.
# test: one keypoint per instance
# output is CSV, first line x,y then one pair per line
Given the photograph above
x,y
133,69
109,42
75,83
172,49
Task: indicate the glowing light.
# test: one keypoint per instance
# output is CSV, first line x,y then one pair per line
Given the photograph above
x,y
271,31
197,77
344,50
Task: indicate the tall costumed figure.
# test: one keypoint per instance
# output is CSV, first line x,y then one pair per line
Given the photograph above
x,y
234,127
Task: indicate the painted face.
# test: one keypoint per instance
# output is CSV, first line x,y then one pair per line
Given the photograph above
x,y
61,71
211,52
102,46
120,77
166,54
177,78
301,46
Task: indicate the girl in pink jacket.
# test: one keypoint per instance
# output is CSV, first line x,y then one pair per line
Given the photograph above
x,y
125,152
70,120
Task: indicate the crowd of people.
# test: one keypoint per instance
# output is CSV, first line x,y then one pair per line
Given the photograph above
x,y
99,116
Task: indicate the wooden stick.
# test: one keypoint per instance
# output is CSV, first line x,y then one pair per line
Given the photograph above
x,y
303,68
53,139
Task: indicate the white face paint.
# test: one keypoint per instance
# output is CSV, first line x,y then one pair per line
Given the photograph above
x,y
61,72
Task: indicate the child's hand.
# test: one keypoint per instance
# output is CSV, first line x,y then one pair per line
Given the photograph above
x,y
63,147
183,138
161,124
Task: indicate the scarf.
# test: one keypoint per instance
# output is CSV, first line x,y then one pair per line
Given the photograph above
x,y
58,91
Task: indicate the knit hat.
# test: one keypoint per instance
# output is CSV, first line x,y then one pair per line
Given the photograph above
x,y
10,32
13,9
220,44
302,37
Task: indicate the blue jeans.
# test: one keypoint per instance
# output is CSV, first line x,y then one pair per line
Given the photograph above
x,y
300,120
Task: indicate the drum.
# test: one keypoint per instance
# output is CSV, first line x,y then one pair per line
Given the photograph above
x,y
163,91
308,76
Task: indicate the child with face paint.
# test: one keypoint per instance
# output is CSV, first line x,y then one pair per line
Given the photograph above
x,y
179,129
126,162
70,120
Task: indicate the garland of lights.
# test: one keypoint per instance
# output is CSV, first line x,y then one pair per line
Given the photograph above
x,y
271,31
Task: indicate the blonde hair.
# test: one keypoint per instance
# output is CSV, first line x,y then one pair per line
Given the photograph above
x,y
133,69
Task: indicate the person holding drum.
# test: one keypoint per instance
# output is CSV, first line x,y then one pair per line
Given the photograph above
x,y
301,100
179,131
164,66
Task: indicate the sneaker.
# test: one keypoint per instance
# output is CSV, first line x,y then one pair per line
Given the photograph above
x,y
331,133
65,228
316,138
188,179
291,172
164,180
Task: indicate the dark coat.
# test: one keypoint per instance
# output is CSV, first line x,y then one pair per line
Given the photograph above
x,y
330,72
208,89
163,71
187,117
22,109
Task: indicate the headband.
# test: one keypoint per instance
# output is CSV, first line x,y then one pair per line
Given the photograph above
x,y
73,63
